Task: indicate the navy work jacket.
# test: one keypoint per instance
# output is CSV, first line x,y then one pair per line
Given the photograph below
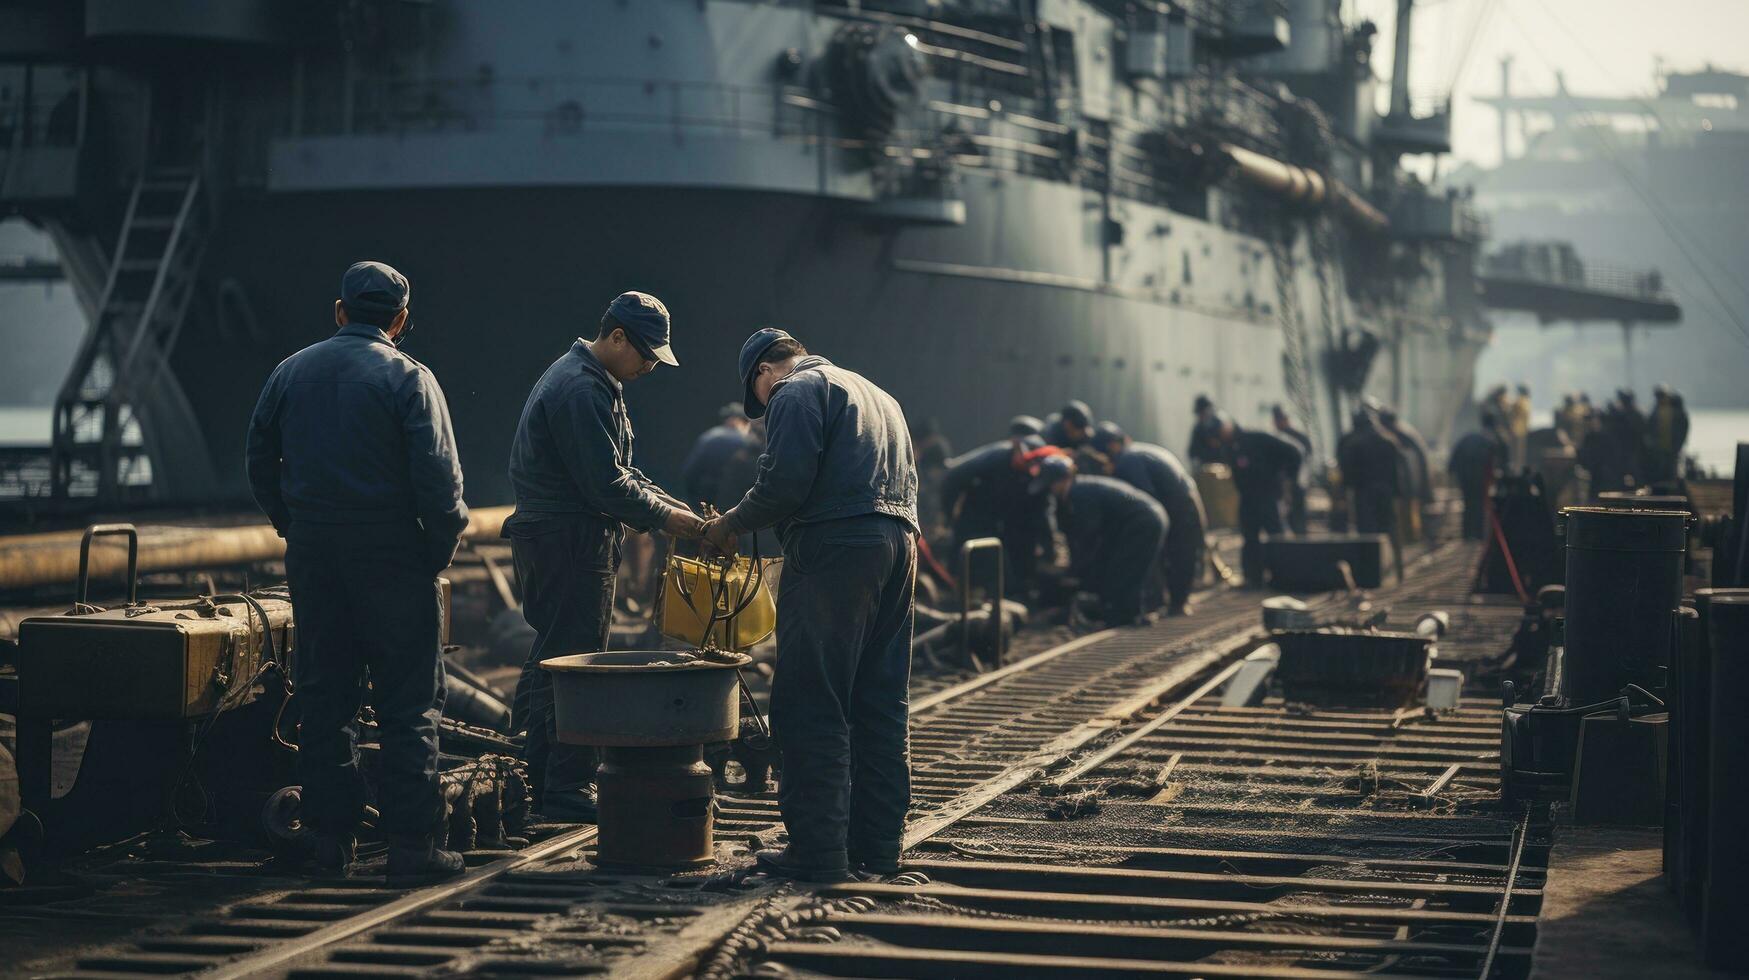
x,y
1155,471
710,455
353,431
1101,509
571,456
836,446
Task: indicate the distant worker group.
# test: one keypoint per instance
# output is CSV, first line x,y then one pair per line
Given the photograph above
x,y
1618,447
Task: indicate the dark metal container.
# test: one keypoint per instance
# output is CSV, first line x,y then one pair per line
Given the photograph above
x,y
1724,914
1624,582
1538,743
655,809
645,697
1352,667
1690,702
1623,500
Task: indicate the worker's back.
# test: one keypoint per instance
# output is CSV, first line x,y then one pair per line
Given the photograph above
x,y
363,434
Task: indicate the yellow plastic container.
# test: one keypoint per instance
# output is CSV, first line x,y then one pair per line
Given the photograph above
x,y
693,591
1220,498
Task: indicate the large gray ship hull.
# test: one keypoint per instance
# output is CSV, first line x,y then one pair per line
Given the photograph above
x,y
967,325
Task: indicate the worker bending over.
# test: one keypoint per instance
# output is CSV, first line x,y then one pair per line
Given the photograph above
x,y
1115,533
1155,471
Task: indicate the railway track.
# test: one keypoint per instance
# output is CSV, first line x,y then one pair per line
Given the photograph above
x,y
1209,841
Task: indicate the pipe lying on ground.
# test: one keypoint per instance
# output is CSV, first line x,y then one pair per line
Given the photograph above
x,y
32,560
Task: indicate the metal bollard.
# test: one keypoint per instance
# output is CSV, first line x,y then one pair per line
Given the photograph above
x,y
997,610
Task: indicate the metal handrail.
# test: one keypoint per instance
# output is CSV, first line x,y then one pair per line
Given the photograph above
x,y
998,610
103,530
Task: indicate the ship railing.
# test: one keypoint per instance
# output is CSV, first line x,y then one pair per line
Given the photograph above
x,y
1641,283
566,104
44,116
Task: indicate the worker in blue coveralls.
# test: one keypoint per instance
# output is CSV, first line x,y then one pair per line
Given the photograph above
x,y
351,454
1262,464
839,482
576,490
984,493
1114,532
1154,470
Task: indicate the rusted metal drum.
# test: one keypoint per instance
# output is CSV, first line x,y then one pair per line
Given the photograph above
x,y
646,697
1624,583
655,808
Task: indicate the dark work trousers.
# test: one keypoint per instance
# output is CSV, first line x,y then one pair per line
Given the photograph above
x,y
365,600
565,569
1375,512
1475,512
1296,507
1182,557
1127,575
840,697
1259,511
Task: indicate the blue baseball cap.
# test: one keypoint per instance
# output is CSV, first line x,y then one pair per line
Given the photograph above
x,y
756,345
645,320
374,289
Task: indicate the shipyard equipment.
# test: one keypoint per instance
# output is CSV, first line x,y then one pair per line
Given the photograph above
x,y
1136,200
652,712
1624,584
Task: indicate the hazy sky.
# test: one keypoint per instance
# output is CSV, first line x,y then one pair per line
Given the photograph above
x,y
1604,47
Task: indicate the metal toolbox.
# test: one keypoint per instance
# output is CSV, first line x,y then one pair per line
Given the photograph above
x,y
180,660
1308,564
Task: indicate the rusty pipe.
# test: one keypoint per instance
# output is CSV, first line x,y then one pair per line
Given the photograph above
x,y
1284,180
33,560
1298,185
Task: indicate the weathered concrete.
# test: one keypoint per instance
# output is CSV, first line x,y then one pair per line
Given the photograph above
x,y
1607,913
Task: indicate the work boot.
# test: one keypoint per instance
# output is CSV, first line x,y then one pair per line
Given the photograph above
x,y
330,855
569,806
786,863
419,861
873,865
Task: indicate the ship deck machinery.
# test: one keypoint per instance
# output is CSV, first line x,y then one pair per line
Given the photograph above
x,y
987,205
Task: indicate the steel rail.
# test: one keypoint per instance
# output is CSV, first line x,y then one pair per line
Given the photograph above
x,y
1506,895
284,952
1106,754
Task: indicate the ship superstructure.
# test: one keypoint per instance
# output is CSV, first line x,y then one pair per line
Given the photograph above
x,y
989,206
1634,182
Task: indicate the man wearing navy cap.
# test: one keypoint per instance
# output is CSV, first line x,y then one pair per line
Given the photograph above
x,y
839,482
576,490
1071,427
1114,532
351,454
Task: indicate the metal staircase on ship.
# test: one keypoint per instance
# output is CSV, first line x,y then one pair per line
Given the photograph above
x,y
124,431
